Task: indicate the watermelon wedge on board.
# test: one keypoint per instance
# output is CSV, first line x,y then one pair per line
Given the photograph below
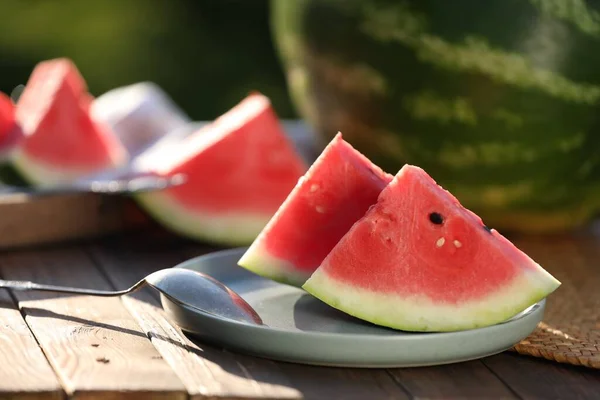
x,y
239,169
334,193
419,261
10,131
62,142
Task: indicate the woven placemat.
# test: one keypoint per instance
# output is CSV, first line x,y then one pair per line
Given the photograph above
x,y
570,331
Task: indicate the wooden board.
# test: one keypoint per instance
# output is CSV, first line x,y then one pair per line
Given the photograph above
x,y
27,220
93,344
24,371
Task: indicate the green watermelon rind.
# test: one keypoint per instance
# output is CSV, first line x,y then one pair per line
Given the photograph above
x,y
258,261
9,175
236,228
422,315
473,98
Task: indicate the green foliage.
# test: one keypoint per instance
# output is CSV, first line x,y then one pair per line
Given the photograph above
x,y
206,54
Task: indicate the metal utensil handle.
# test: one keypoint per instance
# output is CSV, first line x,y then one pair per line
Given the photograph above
x,y
26,285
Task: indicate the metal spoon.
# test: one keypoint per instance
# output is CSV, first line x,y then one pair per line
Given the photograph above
x,y
183,286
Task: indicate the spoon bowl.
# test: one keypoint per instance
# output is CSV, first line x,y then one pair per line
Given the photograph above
x,y
202,292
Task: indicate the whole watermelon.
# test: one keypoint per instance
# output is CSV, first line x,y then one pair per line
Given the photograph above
x,y
498,99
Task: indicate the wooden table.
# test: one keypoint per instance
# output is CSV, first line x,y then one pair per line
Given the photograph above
x,y
55,346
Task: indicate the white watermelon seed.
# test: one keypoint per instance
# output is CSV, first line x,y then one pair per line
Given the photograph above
x,y
320,209
440,242
314,187
457,243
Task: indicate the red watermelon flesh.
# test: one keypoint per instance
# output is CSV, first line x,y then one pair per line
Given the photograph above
x,y
419,261
335,192
10,132
62,142
239,170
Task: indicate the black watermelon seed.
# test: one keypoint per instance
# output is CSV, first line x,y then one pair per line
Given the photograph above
x,y
436,218
487,228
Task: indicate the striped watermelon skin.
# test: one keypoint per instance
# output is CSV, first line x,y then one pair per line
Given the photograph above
x,y
498,99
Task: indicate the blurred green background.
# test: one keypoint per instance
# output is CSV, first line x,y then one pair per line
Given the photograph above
x,y
207,55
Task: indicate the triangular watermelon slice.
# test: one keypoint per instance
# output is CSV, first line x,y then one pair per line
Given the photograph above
x,y
62,142
336,191
238,169
419,261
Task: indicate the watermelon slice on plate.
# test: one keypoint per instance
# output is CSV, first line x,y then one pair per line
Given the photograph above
x,y
61,141
419,261
10,131
239,169
334,193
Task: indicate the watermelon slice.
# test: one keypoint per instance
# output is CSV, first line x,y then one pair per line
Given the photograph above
x,y
10,131
239,170
335,192
419,261
62,142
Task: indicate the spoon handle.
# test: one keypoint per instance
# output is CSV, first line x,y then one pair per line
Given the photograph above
x,y
27,285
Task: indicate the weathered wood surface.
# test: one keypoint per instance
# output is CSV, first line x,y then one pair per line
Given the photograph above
x,y
531,378
94,345
113,348
24,370
465,380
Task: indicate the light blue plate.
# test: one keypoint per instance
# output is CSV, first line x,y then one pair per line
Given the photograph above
x,y
301,329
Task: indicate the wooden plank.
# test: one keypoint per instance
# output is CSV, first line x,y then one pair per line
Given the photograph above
x,y
468,380
342,383
214,373
92,343
533,378
24,371
30,220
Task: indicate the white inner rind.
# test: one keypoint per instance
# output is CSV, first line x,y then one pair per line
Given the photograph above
x,y
226,228
259,261
43,174
421,313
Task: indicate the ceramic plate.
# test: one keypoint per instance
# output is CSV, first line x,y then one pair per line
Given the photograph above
x,y
300,328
